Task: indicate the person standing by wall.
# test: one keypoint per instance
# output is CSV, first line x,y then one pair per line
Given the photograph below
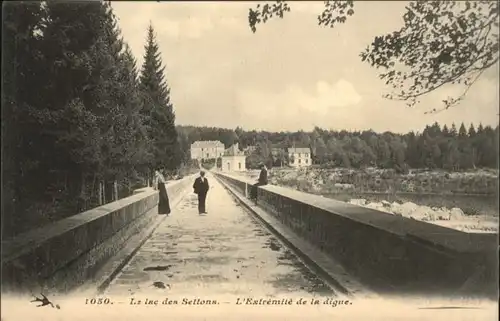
x,y
201,187
261,182
164,203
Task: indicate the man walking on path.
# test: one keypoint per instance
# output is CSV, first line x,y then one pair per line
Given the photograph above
x,y
201,187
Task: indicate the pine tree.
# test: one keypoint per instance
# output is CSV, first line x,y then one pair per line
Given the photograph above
x,y
429,151
453,130
122,96
465,148
473,145
158,109
446,131
489,155
472,131
435,130
139,141
462,132
412,154
480,129
452,159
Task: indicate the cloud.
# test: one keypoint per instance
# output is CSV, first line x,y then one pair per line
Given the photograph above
x,y
291,74
339,95
191,28
183,20
309,7
297,107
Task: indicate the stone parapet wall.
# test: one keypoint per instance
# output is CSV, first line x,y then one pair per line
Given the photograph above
x,y
387,252
64,254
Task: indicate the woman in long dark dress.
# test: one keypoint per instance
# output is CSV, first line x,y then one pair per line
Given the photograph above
x,y
164,203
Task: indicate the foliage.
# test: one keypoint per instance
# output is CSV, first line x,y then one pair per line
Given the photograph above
x,y
158,108
208,164
436,147
193,133
266,12
441,43
73,116
387,181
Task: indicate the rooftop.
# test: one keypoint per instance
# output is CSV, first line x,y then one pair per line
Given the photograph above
x,y
233,151
299,150
207,143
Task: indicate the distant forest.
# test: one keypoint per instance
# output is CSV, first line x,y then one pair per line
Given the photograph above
x,y
436,147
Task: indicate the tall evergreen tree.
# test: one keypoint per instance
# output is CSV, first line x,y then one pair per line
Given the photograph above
x,y
445,131
139,143
453,130
473,145
462,131
158,108
472,131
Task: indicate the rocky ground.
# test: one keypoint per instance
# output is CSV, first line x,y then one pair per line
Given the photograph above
x,y
453,218
418,182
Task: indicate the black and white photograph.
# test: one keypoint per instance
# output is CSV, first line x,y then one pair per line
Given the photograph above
x,y
241,160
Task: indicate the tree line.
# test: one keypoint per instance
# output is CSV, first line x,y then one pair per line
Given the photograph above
x,y
81,126
436,147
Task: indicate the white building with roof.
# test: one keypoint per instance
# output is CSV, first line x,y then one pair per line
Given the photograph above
x,y
233,160
207,149
299,156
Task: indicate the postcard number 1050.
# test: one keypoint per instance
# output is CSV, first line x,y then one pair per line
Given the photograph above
x,y
97,301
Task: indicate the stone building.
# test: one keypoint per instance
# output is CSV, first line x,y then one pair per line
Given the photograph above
x,y
233,160
207,149
299,156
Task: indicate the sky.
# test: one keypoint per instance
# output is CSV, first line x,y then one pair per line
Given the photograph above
x,y
291,74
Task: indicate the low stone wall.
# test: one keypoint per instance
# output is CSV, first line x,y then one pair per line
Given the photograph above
x,y
63,255
388,253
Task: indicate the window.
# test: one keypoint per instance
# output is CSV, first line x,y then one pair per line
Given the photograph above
x,y
239,165
208,155
300,160
307,155
307,161
299,154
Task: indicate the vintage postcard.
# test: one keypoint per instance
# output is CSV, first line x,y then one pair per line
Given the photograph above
x,y
239,160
